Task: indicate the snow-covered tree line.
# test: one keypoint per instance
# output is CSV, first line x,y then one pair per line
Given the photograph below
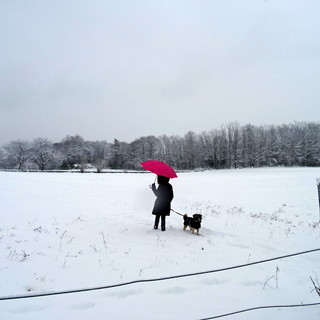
x,y
231,146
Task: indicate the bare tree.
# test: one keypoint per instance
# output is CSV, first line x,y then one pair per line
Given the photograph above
x,y
231,146
42,153
76,152
120,153
101,153
249,145
17,153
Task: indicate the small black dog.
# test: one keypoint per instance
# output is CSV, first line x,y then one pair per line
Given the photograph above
x,y
194,223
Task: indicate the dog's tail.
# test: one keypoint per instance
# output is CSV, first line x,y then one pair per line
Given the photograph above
x,y
180,214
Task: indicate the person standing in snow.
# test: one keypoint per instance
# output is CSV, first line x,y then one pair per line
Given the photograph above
x,y
162,205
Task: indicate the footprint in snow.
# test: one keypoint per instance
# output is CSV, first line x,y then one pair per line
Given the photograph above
x,y
124,294
29,308
252,283
174,290
213,282
83,306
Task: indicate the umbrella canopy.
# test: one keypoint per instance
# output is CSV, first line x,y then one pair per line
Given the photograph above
x,y
160,168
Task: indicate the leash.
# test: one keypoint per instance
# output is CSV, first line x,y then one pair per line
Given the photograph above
x,y
180,214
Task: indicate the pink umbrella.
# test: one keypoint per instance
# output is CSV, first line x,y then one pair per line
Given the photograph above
x,y
160,168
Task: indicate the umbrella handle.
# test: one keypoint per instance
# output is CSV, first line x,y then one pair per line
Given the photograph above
x,y
155,180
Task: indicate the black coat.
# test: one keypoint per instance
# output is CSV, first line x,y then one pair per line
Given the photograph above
x,y
164,194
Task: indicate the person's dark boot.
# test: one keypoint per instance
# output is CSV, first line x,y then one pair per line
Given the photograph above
x,y
155,227
163,228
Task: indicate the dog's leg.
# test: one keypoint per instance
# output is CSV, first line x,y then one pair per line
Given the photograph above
x,y
197,232
184,227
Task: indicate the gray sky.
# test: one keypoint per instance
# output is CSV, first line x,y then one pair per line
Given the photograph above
x,y
123,69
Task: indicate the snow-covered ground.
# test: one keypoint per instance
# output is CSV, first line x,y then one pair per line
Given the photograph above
x,y
63,231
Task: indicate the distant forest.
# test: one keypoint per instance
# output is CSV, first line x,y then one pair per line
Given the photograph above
x,y
231,146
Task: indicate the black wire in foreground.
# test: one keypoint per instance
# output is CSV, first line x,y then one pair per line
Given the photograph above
x,y
153,280
263,307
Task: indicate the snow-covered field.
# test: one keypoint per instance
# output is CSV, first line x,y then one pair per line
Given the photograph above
x,y
63,231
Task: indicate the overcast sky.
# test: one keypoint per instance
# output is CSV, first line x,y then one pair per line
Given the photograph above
x,y
123,69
